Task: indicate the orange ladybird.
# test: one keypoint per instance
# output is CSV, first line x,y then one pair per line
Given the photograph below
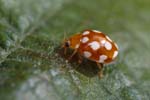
x,y
93,45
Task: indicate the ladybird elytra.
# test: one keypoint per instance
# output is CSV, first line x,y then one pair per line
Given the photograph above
x,y
93,45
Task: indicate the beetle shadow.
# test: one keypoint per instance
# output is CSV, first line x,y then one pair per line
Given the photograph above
x,y
86,67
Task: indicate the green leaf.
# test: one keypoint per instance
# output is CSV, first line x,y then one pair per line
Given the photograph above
x,y
32,66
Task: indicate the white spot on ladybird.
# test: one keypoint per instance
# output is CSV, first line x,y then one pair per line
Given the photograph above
x,y
86,33
108,38
103,41
87,54
77,46
108,45
96,31
84,39
115,54
94,45
116,46
102,58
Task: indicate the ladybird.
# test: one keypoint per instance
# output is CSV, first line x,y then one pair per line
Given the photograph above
x,y
93,45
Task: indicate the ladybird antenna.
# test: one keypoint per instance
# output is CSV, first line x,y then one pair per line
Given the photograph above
x,y
64,38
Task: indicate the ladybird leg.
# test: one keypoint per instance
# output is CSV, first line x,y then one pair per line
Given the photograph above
x,y
80,59
100,66
65,51
74,52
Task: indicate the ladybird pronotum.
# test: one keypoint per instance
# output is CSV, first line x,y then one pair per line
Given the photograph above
x,y
93,45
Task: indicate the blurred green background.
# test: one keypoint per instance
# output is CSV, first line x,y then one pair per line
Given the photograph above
x,y
31,32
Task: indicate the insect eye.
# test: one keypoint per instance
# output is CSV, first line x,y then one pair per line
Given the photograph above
x,y
67,44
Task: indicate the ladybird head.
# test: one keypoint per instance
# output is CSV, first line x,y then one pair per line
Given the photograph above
x,y
67,44
72,42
